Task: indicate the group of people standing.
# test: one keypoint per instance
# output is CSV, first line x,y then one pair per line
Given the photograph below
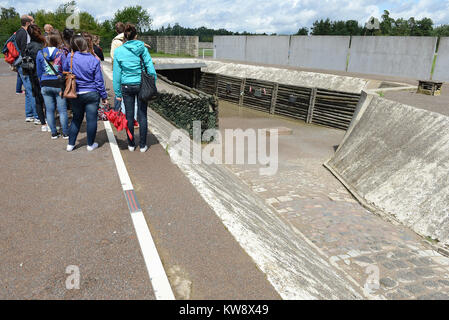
x,y
55,53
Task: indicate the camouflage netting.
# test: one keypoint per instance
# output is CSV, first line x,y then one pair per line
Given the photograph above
x,y
182,105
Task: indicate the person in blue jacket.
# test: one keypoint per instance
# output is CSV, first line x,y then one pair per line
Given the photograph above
x,y
89,88
49,70
126,80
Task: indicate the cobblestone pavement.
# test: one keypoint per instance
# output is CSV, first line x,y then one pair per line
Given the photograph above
x,y
389,261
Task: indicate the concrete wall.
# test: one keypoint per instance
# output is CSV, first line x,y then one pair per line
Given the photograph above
x,y
319,52
179,45
407,57
267,49
395,159
441,72
230,47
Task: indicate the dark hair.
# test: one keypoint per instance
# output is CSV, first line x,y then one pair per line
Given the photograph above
x,y
24,20
54,39
67,34
119,27
79,43
36,34
130,31
90,42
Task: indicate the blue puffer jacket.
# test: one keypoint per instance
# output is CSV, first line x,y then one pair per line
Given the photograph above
x,y
127,68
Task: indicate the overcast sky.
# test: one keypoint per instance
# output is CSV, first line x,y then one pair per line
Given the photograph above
x,y
282,16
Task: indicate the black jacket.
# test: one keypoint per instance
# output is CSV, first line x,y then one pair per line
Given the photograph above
x,y
32,49
21,40
99,52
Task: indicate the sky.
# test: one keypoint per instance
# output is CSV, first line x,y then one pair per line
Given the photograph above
x,y
281,16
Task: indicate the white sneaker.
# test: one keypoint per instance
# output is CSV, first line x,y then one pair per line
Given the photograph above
x,y
70,147
37,122
45,128
131,148
29,119
144,149
92,147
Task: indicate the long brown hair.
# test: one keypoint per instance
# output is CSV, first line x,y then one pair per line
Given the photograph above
x,y
36,34
79,43
54,39
130,31
90,43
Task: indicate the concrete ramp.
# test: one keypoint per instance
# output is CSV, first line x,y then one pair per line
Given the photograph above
x,y
395,160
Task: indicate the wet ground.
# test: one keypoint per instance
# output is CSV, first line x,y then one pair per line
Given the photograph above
x,y
362,244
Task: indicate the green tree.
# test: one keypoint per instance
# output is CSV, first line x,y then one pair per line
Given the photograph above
x,y
303,32
135,15
386,25
9,23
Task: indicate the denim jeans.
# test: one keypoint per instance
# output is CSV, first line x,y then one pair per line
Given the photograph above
x,y
53,101
18,84
135,109
130,95
30,104
85,103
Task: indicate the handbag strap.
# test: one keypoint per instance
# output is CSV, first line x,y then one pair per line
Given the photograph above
x,y
51,66
71,60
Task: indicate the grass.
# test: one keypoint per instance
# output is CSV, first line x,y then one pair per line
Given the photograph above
x,y
168,55
2,55
433,66
207,53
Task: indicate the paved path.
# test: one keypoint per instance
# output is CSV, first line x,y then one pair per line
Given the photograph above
x,y
310,198
60,209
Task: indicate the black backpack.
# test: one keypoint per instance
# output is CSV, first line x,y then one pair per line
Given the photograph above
x,y
28,65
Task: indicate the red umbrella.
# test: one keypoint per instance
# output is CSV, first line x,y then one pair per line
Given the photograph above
x,y
118,119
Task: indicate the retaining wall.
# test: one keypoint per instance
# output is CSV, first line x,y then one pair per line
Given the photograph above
x,y
269,50
441,72
407,57
395,159
319,52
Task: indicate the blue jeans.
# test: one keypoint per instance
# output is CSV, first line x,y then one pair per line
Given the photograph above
x,y
53,101
30,104
18,84
85,103
130,95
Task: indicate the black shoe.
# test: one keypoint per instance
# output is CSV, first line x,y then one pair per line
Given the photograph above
x,y
64,136
54,136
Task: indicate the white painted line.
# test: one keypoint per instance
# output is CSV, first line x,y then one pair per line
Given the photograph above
x,y
158,277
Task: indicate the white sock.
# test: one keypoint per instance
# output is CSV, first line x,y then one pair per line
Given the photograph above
x,y
92,147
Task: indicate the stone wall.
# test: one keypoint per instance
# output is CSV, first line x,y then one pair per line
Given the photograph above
x,y
178,45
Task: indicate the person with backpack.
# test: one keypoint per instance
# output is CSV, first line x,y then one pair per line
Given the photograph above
x,y
128,62
89,89
49,64
36,44
22,38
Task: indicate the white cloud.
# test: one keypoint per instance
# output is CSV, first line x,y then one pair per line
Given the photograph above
x,y
285,16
